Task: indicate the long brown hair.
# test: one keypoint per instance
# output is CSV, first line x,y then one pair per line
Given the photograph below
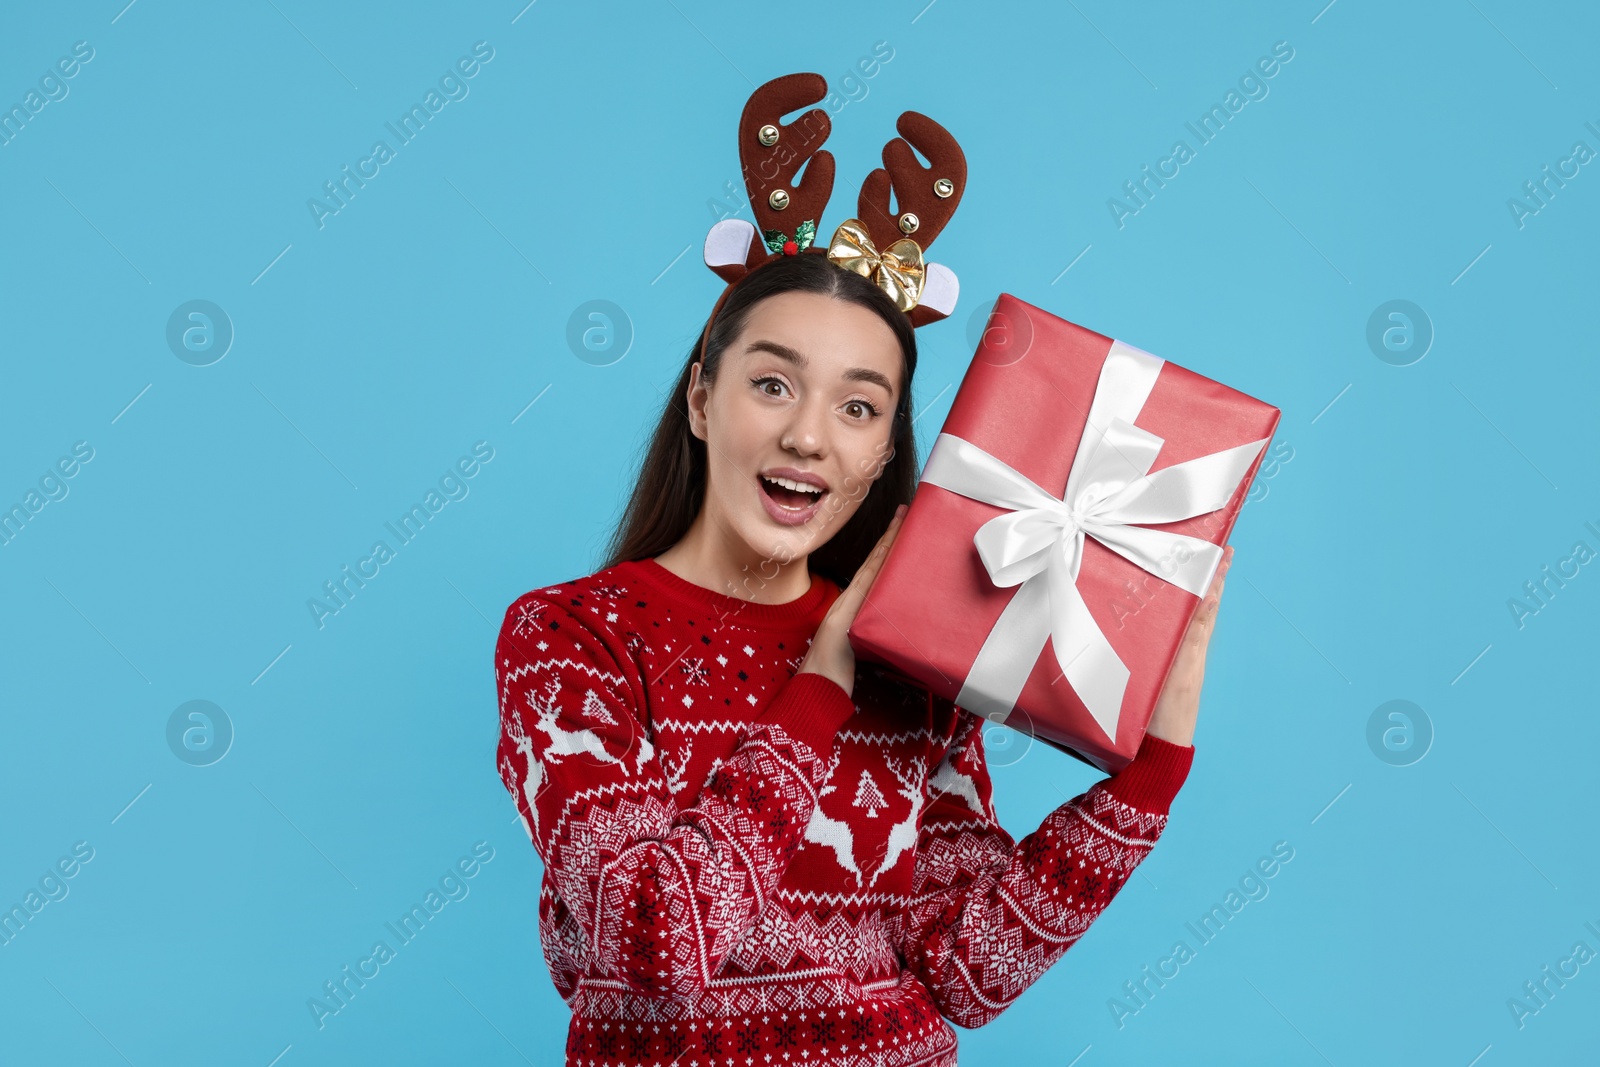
x,y
671,488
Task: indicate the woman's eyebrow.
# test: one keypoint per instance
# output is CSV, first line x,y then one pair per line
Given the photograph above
x,y
784,352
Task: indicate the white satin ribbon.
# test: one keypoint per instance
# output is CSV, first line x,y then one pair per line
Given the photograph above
x,y
1038,543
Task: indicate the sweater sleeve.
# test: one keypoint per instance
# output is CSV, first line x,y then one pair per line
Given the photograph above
x,y
659,896
989,916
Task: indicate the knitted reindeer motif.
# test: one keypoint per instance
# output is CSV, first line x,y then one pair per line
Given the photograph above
x,y
903,834
674,774
564,742
946,779
533,776
880,243
834,833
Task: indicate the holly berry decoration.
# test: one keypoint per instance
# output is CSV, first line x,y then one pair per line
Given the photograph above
x,y
778,241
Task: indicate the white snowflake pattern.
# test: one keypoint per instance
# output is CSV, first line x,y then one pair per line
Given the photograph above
x,y
694,671
527,620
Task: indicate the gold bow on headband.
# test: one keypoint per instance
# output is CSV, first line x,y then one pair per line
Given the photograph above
x,y
897,270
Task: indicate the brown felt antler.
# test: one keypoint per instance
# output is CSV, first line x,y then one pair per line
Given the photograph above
x,y
772,154
923,204
925,199
789,213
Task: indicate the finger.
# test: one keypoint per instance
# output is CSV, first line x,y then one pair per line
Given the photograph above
x,y
887,538
1214,592
1221,580
868,571
1205,618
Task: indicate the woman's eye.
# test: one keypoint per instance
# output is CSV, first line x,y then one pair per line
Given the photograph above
x,y
864,409
867,407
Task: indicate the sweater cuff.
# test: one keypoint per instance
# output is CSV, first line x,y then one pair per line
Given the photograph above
x,y
811,708
1154,777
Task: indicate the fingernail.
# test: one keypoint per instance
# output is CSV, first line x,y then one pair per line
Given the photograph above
x,y
899,511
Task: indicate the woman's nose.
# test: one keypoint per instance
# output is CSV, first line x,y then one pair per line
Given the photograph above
x,y
805,434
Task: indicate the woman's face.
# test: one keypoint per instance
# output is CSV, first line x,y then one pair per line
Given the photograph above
x,y
806,393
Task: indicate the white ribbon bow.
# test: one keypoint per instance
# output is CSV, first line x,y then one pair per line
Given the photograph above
x,y
1038,543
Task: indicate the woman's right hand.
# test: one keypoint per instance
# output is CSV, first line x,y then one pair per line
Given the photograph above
x,y
830,654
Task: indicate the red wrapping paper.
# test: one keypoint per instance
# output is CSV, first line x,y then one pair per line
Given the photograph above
x,y
1025,399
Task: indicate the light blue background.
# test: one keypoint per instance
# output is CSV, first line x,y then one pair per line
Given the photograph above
x,y
1375,564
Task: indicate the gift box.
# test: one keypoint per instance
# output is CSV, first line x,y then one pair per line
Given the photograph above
x,y
1067,523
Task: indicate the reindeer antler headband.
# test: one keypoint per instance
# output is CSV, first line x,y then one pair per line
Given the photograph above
x,y
885,248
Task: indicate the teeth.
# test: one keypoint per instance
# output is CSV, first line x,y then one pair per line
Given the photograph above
x,y
787,483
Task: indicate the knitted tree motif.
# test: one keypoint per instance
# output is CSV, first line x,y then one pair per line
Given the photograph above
x,y
594,709
868,795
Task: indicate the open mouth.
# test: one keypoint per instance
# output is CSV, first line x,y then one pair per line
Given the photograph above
x,y
783,492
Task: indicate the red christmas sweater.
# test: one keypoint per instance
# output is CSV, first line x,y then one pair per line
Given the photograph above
x,y
747,865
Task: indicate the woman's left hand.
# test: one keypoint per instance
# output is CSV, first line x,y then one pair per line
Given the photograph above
x,y
1179,703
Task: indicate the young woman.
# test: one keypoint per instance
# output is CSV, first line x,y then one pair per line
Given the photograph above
x,y
755,849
